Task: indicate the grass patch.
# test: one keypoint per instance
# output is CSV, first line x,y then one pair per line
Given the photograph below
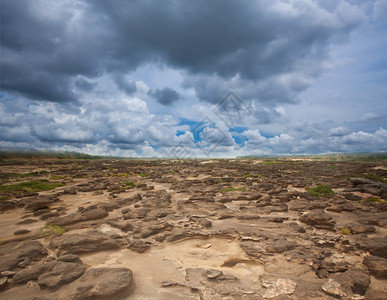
x,y
143,175
118,174
232,190
53,229
321,191
374,200
345,231
31,186
130,183
375,177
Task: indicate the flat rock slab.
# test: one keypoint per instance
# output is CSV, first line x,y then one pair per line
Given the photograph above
x,y
100,282
11,254
83,242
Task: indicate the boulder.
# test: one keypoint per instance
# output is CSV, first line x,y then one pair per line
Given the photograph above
x,y
318,219
83,242
98,283
376,265
60,274
15,252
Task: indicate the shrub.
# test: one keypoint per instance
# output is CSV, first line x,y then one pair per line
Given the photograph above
x,y
129,183
345,231
53,229
376,200
321,191
31,186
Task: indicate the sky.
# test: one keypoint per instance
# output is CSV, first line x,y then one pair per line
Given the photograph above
x,y
191,79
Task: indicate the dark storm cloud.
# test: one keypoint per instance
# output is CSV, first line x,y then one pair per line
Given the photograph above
x,y
166,96
46,44
128,86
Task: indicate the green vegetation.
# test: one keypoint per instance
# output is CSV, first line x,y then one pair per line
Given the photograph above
x,y
374,200
375,177
130,183
31,186
53,229
143,175
321,191
345,231
232,190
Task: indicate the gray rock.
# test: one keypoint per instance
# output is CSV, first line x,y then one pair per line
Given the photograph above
x,y
60,274
376,265
97,283
318,220
93,214
21,231
83,242
14,253
354,280
358,181
376,246
33,272
360,228
212,274
138,246
70,258
67,219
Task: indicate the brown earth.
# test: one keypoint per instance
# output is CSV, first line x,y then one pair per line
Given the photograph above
x,y
193,229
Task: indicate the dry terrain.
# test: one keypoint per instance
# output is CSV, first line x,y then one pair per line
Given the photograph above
x,y
192,229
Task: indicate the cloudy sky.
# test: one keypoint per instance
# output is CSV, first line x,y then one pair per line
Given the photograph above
x,y
181,78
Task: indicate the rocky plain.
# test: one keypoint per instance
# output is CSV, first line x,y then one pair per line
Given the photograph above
x,y
192,229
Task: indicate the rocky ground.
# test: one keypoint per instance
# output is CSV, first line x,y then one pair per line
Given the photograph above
x,y
193,229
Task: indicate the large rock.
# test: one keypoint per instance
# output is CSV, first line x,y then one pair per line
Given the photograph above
x,y
376,265
83,242
318,220
354,280
376,246
332,287
33,272
91,214
67,219
11,254
97,283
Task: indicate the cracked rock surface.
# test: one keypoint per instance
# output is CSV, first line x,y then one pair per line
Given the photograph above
x,y
194,229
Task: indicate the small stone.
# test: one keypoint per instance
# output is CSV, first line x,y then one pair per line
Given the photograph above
x,y
8,273
21,231
212,274
169,283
